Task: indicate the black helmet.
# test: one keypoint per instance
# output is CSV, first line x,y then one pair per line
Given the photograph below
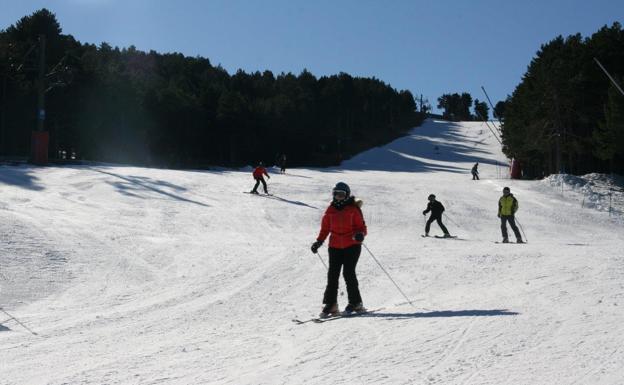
x,y
431,196
506,189
260,164
341,186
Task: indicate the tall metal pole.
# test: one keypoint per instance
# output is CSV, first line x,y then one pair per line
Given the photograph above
x,y
491,105
3,116
41,85
488,98
558,137
488,126
610,77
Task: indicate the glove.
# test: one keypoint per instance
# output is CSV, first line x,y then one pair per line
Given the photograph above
x,y
498,215
359,237
424,213
315,246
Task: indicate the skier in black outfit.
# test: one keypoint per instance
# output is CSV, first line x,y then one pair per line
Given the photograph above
x,y
436,209
282,164
475,171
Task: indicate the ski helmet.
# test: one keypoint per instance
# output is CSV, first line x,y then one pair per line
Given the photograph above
x,y
341,186
506,189
431,196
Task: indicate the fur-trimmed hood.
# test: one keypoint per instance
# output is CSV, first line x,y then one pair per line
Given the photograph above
x,y
347,202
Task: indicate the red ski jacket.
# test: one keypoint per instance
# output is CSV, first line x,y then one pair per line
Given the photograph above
x,y
342,225
259,171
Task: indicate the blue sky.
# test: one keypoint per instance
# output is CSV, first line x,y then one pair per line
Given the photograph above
x,y
429,48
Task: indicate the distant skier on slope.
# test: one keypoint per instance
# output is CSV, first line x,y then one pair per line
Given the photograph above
x,y
436,209
475,171
258,175
507,207
282,164
344,223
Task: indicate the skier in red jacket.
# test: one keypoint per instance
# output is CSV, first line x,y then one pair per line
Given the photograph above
x,y
258,173
344,223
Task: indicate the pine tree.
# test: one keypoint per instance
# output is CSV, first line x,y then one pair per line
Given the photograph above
x,y
608,138
481,110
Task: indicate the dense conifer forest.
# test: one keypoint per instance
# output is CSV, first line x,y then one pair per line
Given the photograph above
x,y
566,115
103,103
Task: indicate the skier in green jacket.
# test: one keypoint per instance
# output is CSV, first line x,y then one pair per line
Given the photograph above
x,y
507,207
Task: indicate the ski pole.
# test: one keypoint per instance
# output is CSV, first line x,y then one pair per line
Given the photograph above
x,y
18,321
523,234
384,270
323,262
452,221
326,268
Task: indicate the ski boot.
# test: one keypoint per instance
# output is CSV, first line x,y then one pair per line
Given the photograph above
x,y
505,240
329,310
519,240
354,308
447,235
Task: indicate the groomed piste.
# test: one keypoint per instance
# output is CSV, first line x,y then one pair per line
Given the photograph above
x,y
133,275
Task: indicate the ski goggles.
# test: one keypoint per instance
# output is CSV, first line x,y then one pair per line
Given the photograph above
x,y
339,194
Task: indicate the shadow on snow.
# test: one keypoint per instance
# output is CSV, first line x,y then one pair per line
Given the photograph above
x,y
135,184
298,203
444,314
19,176
425,149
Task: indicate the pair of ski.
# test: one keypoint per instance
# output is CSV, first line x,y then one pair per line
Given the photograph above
x,y
260,195
455,237
320,320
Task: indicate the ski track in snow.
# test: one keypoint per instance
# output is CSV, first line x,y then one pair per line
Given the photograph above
x,y
149,276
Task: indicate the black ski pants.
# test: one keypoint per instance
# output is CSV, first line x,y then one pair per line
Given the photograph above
x,y
264,185
346,259
437,218
475,176
512,223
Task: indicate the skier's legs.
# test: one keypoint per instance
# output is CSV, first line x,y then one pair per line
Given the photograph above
x,y
264,185
255,189
439,219
351,256
428,224
333,275
504,226
512,223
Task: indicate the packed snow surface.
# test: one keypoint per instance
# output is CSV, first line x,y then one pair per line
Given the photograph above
x,y
133,275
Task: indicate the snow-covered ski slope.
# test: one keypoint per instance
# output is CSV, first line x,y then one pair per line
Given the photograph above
x,y
146,276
